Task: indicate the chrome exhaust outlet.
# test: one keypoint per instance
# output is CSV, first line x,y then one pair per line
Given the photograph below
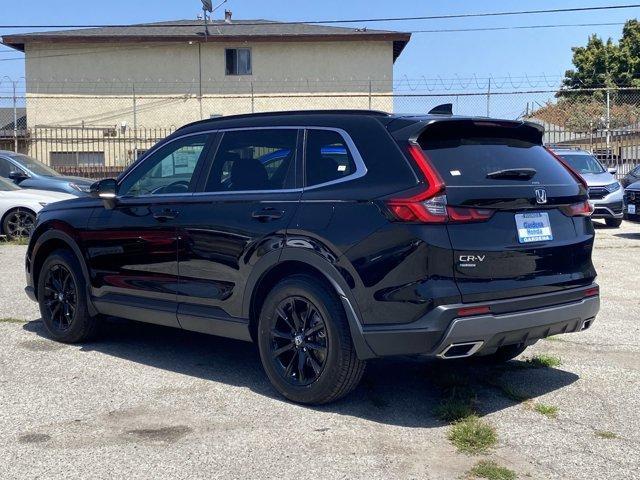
x,y
586,324
460,350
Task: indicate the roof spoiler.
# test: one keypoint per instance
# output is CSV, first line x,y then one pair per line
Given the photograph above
x,y
444,109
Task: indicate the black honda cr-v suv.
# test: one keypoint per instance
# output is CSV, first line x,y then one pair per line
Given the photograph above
x,y
329,238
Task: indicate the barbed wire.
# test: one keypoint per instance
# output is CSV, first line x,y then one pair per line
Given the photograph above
x,y
403,83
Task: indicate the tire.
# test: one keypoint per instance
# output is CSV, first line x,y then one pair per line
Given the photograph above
x,y
63,301
504,354
18,223
613,222
329,368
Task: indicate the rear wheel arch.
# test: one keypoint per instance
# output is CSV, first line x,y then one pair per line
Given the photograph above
x,y
297,262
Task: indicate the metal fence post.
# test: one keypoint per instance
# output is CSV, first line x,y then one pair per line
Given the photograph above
x,y
253,100
489,98
608,120
369,94
15,117
135,123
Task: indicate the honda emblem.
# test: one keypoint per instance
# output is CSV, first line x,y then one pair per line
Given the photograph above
x,y
541,196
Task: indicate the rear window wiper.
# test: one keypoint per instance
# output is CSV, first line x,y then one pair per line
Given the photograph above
x,y
514,173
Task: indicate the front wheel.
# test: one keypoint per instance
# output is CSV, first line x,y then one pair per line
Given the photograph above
x,y
305,344
18,223
613,222
63,301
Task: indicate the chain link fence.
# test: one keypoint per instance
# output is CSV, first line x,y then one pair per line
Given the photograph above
x,y
93,131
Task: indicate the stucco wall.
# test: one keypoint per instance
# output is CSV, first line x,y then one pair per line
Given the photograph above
x,y
94,84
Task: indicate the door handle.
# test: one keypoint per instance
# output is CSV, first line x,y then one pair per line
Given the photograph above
x,y
267,214
165,214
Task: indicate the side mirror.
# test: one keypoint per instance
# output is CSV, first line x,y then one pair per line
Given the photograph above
x,y
612,170
18,176
107,190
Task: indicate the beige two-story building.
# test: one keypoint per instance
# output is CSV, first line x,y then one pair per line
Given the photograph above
x,y
118,82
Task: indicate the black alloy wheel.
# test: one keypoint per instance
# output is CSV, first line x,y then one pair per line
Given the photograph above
x,y
60,296
299,341
305,342
19,223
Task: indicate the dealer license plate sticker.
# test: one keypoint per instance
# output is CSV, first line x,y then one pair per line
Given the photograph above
x,y
533,227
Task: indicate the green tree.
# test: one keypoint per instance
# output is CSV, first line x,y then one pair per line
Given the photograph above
x,y
606,63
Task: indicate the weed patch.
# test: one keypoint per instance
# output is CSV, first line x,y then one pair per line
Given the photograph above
x,y
546,410
11,320
472,435
544,361
492,471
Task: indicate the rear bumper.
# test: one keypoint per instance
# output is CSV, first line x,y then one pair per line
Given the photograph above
x,y
486,334
515,321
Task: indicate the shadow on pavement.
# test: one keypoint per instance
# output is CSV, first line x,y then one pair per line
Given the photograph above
x,y
402,391
628,236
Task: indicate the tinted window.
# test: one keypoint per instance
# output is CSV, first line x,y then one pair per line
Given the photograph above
x,y
169,170
254,160
327,157
8,185
584,163
468,160
5,168
35,166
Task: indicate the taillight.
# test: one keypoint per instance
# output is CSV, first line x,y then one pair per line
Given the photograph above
x,y
471,311
592,292
430,205
583,209
571,170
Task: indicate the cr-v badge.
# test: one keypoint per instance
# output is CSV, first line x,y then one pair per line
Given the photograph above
x,y
470,261
541,196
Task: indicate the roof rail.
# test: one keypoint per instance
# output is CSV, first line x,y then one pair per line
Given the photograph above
x,y
372,113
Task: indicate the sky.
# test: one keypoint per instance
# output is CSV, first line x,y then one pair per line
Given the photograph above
x,y
430,55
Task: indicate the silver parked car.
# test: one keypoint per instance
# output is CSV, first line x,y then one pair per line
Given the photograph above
x,y
605,192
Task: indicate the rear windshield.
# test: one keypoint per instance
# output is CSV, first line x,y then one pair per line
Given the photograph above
x,y
491,157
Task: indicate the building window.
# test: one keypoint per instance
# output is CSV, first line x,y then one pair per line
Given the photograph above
x,y
76,159
238,61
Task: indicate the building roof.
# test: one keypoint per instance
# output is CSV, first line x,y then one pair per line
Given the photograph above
x,y
218,31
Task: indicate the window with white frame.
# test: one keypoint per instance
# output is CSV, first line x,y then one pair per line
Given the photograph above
x,y
238,61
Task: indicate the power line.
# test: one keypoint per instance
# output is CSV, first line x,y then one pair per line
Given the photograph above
x,y
353,20
450,30
517,27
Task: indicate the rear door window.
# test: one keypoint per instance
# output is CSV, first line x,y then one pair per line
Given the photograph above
x,y
468,156
254,160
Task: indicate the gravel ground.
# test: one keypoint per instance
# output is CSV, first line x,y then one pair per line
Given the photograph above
x,y
150,402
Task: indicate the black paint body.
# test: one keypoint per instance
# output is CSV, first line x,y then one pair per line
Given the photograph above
x,y
203,268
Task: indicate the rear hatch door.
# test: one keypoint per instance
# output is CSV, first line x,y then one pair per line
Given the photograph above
x,y
531,244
